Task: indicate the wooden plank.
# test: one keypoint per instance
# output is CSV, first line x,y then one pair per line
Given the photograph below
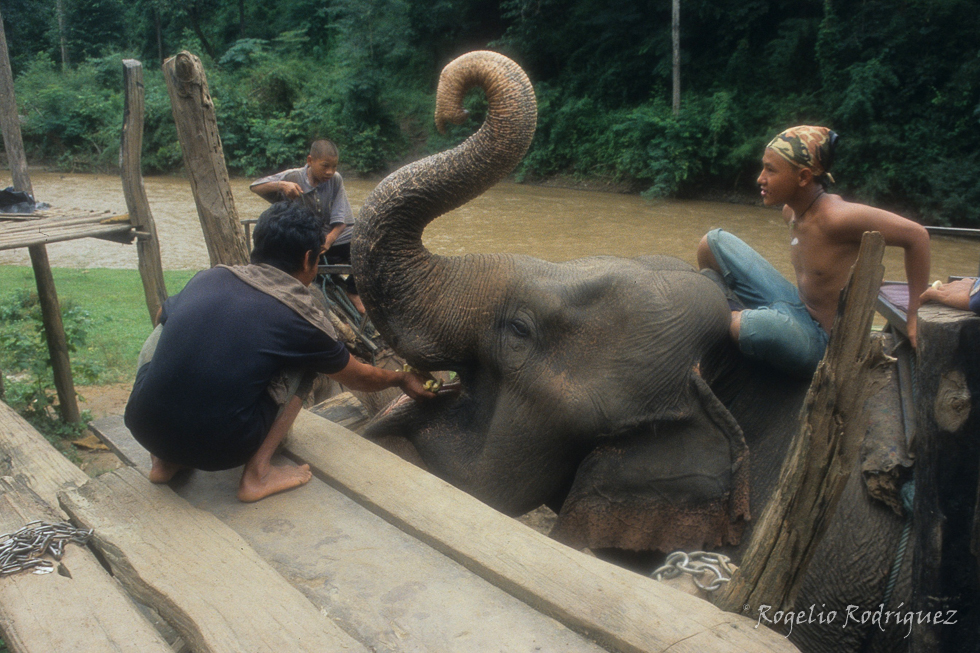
x,y
615,607
392,592
117,233
78,608
196,572
27,456
946,573
197,130
823,452
130,156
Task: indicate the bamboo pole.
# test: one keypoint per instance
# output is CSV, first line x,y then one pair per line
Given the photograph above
x,y
822,453
130,154
54,329
197,130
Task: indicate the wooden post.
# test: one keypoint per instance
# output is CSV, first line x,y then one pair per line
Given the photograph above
x,y
945,580
197,129
130,153
822,453
54,329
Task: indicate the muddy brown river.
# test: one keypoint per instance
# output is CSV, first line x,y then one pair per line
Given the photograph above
x,y
550,223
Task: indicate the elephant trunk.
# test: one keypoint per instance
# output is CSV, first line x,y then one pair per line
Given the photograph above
x,y
429,307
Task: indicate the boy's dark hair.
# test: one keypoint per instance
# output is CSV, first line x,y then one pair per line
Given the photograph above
x,y
323,149
285,232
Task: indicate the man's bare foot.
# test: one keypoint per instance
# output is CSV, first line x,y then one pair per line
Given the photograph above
x,y
254,486
161,471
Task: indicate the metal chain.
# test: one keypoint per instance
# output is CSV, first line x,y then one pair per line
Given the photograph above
x,y
697,564
22,549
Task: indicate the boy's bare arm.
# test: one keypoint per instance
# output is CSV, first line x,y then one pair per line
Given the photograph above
x,y
854,219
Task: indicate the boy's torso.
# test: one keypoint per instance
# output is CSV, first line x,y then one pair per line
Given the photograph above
x,y
822,260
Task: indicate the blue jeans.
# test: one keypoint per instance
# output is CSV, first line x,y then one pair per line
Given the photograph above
x,y
776,327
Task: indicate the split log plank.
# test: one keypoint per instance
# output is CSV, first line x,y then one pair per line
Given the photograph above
x,y
392,592
78,607
615,607
28,457
946,535
130,156
196,572
823,453
197,131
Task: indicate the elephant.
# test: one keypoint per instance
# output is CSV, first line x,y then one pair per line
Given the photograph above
x,y
605,388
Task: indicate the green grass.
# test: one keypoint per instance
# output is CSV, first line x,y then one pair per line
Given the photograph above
x,y
115,305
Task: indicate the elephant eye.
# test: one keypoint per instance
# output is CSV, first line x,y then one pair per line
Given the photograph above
x,y
520,328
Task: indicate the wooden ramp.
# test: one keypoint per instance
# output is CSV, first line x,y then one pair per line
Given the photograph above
x,y
318,568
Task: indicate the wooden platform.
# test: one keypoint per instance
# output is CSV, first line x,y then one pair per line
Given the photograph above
x,y
57,225
373,554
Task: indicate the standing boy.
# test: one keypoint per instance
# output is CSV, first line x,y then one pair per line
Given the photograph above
x,y
788,326
224,374
320,188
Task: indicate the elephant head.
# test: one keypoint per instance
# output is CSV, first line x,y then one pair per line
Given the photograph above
x,y
581,382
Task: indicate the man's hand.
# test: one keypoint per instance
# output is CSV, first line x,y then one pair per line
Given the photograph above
x,y
955,294
290,189
414,385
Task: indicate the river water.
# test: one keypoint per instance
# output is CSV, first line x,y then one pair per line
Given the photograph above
x,y
550,223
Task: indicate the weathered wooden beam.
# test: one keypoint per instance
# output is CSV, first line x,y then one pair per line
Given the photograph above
x,y
78,607
27,456
197,130
822,453
9,121
946,574
617,608
202,577
130,156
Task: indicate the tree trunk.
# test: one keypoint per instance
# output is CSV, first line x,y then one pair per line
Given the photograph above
x,y
130,149
197,130
822,453
60,10
675,37
196,26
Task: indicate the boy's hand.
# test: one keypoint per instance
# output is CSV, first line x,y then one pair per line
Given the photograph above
x,y
290,189
955,294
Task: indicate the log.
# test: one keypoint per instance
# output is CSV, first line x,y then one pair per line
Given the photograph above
x,y
54,330
201,576
197,130
946,575
78,608
617,608
27,456
823,453
130,156
10,123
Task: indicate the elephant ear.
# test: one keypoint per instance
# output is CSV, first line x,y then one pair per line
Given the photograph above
x,y
683,484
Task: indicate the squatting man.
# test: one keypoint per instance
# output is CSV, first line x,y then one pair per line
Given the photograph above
x,y
224,374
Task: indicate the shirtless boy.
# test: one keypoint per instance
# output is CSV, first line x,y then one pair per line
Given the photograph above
x,y
224,374
788,326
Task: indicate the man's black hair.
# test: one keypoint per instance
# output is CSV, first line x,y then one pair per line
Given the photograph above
x,y
284,233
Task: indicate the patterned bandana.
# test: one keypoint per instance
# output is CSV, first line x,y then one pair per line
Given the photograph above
x,y
807,147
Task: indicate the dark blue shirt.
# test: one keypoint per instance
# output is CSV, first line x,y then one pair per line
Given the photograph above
x,y
202,401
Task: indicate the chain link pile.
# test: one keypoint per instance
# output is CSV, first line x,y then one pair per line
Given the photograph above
x,y
697,564
23,549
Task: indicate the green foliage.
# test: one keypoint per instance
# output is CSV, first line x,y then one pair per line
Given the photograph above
x,y
899,81
25,357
